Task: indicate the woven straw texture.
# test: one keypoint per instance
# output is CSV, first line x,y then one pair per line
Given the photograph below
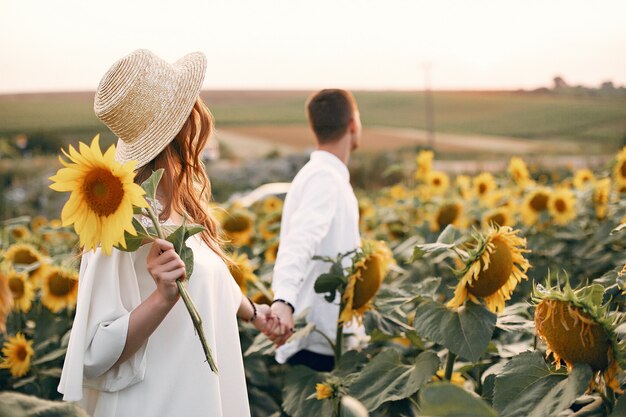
x,y
145,101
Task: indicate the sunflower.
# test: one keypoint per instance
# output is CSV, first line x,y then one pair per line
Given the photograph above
x,y
456,378
242,271
6,300
582,178
438,182
493,269
238,226
463,184
23,255
21,289
269,227
323,391
17,352
272,204
37,223
500,216
59,289
578,329
263,297
368,271
424,164
562,206
483,185
518,171
398,192
271,252
601,196
535,203
102,197
19,232
449,213
619,169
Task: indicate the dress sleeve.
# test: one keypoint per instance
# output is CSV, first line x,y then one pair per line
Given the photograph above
x,y
107,293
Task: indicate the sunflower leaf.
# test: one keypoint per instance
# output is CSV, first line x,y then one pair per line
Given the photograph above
x,y
150,185
134,242
387,378
299,385
466,332
442,399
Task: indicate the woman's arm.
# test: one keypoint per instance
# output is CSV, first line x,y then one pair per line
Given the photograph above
x,y
166,267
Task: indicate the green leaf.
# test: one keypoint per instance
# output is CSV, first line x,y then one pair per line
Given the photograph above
x,y
150,185
448,235
327,283
527,387
134,242
620,407
442,399
299,385
386,378
55,354
465,332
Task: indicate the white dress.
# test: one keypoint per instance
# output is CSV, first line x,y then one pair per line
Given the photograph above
x,y
168,375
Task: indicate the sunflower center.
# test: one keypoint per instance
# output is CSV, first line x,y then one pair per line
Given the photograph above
x,y
367,286
16,286
560,206
437,182
60,286
622,169
103,191
497,219
572,334
21,353
447,215
24,257
236,224
18,233
539,202
482,188
497,274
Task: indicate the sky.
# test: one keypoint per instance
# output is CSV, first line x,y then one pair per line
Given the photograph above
x,y
67,45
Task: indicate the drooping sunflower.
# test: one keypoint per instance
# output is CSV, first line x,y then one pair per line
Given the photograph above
x,y
583,178
424,164
102,197
272,204
19,232
242,271
238,226
438,182
493,269
601,196
619,169
562,206
578,329
17,352
519,171
368,271
24,255
535,203
484,184
497,217
449,213
21,289
59,289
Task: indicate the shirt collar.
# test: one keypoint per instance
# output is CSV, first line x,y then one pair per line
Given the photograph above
x,y
331,160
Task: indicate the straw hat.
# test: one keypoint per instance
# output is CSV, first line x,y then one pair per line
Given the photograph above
x,y
145,101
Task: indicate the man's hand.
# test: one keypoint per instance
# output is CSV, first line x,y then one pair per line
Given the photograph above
x,y
281,327
264,317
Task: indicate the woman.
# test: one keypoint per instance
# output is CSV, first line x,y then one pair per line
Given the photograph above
x,y
133,350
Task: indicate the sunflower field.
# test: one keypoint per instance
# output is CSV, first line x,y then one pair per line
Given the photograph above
x,y
492,295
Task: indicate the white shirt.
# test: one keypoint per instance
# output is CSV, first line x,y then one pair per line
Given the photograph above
x,y
168,375
320,217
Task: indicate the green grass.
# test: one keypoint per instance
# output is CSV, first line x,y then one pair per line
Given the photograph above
x,y
492,113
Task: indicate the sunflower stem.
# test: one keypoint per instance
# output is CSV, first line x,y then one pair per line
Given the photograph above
x,y
191,308
450,365
339,335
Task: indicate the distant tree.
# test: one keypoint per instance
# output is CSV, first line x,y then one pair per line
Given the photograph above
x,y
559,83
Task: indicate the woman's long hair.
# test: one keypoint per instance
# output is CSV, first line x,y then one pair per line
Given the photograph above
x,y
186,189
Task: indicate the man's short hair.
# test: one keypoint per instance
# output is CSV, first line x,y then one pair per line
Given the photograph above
x,y
330,112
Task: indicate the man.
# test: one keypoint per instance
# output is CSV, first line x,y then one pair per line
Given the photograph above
x,y
320,217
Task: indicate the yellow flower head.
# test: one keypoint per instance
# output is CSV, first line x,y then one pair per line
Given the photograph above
x,y
518,171
398,192
60,289
578,329
498,217
102,197
367,275
601,196
22,255
238,227
272,204
493,269
562,206
21,289
484,184
583,178
6,300
464,186
456,379
619,169
535,203
37,223
19,232
438,182
17,352
449,213
323,391
269,227
271,252
424,164
242,271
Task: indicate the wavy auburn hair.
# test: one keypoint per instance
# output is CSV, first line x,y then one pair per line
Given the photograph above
x,y
185,185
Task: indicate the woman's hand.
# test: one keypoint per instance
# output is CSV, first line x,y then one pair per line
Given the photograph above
x,y
166,267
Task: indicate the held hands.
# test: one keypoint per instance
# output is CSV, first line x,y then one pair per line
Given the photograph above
x,y
166,267
280,328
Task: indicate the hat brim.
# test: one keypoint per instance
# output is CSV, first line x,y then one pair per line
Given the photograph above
x,y
189,76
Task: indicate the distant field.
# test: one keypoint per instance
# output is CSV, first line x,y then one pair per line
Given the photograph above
x,y
600,122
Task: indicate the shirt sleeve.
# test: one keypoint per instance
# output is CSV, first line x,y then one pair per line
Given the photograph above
x,y
107,293
306,227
